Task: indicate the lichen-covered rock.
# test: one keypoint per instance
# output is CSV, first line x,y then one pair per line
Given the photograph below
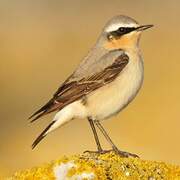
x,y
89,166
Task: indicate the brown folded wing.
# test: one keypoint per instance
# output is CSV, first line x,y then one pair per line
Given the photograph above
x,y
71,91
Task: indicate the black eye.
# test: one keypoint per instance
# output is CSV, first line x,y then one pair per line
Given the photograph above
x,y
122,29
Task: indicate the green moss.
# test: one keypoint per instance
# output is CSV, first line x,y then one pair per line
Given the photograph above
x,y
106,166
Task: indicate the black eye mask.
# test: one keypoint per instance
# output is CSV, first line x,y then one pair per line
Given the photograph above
x,y
121,31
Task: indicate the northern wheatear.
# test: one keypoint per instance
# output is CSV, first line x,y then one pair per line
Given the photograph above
x,y
107,79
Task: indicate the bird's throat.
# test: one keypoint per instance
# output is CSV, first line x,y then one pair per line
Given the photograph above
x,y
124,42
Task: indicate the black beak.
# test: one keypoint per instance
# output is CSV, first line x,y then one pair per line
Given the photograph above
x,y
144,27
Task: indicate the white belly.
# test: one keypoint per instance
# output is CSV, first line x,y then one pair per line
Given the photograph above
x,y
113,97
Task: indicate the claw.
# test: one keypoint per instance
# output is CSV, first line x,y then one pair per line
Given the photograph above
x,y
124,153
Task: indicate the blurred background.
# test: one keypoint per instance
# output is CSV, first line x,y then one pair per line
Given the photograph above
x,y
41,42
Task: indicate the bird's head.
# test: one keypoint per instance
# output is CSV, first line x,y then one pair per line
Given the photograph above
x,y
122,32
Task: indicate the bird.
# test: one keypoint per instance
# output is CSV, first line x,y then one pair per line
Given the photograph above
x,y
104,83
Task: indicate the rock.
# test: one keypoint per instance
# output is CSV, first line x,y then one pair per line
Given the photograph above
x,y
92,166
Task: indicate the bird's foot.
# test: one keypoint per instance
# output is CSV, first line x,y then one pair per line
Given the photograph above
x,y
98,151
124,153
115,150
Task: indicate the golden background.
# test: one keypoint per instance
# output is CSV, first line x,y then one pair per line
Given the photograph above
x,y
41,42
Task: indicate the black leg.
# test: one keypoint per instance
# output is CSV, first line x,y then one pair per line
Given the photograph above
x,y
95,134
105,134
121,153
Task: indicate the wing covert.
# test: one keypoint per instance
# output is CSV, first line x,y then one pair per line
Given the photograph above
x,y
74,89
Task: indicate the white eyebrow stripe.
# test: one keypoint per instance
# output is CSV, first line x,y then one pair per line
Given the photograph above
x,y
115,27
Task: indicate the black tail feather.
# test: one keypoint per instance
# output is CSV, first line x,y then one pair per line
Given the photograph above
x,y
42,135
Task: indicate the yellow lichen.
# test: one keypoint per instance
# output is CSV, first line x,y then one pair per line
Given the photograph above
x,y
105,166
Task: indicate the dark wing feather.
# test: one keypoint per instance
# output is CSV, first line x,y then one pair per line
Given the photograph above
x,y
42,109
74,90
